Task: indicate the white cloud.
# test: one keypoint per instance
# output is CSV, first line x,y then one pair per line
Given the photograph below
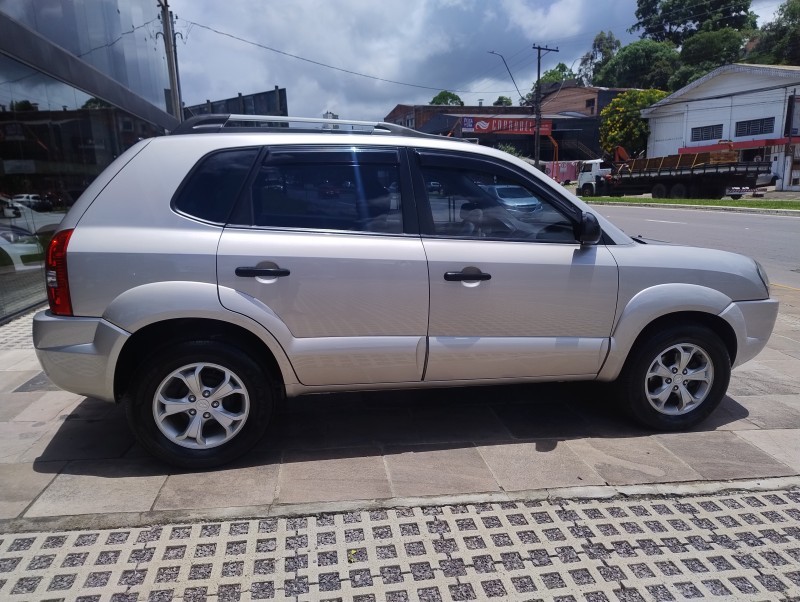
x,y
438,44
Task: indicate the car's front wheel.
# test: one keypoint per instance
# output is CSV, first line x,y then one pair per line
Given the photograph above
x,y
199,404
676,378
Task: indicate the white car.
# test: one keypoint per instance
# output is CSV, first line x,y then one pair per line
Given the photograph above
x,y
17,214
19,250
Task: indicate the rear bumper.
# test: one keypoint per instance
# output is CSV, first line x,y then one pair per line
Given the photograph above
x,y
79,354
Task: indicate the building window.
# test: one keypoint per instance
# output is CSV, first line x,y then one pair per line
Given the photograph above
x,y
755,127
590,106
707,132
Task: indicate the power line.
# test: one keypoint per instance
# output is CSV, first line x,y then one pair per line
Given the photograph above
x,y
319,63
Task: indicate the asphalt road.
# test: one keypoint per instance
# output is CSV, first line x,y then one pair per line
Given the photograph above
x,y
773,240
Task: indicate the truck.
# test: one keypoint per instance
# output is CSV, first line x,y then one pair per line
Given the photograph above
x,y
711,175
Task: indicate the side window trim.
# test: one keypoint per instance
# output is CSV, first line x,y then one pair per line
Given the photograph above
x,y
188,179
427,157
275,156
243,204
409,199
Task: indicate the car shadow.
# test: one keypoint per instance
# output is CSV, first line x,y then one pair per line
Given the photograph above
x,y
342,425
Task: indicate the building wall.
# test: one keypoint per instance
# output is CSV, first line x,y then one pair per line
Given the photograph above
x,y
416,116
715,107
271,102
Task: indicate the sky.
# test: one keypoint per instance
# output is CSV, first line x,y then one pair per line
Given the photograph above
x,y
360,58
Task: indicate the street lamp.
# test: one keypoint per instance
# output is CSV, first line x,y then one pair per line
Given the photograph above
x,y
509,71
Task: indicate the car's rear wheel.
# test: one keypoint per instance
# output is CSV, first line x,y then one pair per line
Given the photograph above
x,y
199,404
676,378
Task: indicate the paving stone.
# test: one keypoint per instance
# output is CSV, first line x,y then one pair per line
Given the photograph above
x,y
565,550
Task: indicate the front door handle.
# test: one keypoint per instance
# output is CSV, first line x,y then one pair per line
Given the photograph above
x,y
459,276
251,272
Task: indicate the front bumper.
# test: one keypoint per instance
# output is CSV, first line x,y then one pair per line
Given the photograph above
x,y
79,354
752,321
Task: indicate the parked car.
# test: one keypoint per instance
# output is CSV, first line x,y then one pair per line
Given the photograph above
x,y
186,287
516,199
39,223
33,201
19,250
8,209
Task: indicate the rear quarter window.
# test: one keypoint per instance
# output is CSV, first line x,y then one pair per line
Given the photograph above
x,y
211,189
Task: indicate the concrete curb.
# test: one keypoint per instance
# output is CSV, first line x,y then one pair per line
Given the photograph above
x,y
598,492
785,212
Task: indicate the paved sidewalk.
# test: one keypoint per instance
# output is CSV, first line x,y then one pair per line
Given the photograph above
x,y
364,493
743,546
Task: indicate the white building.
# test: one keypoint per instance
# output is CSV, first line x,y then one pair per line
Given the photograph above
x,y
752,109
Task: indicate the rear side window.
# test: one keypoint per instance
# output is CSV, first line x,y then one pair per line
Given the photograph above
x,y
326,190
213,187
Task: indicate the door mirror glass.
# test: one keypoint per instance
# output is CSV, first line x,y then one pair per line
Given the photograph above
x,y
590,230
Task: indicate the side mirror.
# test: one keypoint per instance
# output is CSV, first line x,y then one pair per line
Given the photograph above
x,y
590,231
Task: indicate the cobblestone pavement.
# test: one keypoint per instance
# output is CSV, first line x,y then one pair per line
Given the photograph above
x,y
734,546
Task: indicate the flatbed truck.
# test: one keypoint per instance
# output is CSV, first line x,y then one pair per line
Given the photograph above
x,y
689,175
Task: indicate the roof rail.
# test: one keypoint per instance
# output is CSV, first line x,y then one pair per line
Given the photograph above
x,y
205,124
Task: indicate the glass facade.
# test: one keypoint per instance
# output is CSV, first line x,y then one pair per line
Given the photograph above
x,y
116,37
55,138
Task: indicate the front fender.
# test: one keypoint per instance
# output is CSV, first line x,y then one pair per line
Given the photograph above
x,y
653,303
160,301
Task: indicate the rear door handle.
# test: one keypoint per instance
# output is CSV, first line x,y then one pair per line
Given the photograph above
x,y
459,276
251,272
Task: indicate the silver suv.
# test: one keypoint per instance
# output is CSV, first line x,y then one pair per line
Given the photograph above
x,y
205,275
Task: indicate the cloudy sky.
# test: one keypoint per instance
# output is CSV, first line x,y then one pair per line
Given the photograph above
x,y
360,58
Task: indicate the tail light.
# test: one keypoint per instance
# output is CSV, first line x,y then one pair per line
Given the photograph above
x,y
56,274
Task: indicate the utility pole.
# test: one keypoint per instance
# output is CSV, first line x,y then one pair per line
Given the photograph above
x,y
538,142
172,59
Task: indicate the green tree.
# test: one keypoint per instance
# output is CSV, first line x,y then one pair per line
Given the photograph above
x,y
447,98
604,47
705,51
621,123
96,103
677,20
510,149
502,101
779,41
22,105
559,73
641,64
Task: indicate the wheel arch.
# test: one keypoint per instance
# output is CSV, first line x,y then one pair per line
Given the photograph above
x,y
161,334
714,323
719,326
668,305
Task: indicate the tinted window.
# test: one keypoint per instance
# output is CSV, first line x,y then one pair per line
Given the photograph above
x,y
327,196
470,203
214,185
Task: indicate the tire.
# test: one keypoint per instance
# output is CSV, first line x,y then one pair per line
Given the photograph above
x,y
736,197
659,191
678,191
645,387
587,190
190,375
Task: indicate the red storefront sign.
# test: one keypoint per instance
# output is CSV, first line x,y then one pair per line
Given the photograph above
x,y
479,124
